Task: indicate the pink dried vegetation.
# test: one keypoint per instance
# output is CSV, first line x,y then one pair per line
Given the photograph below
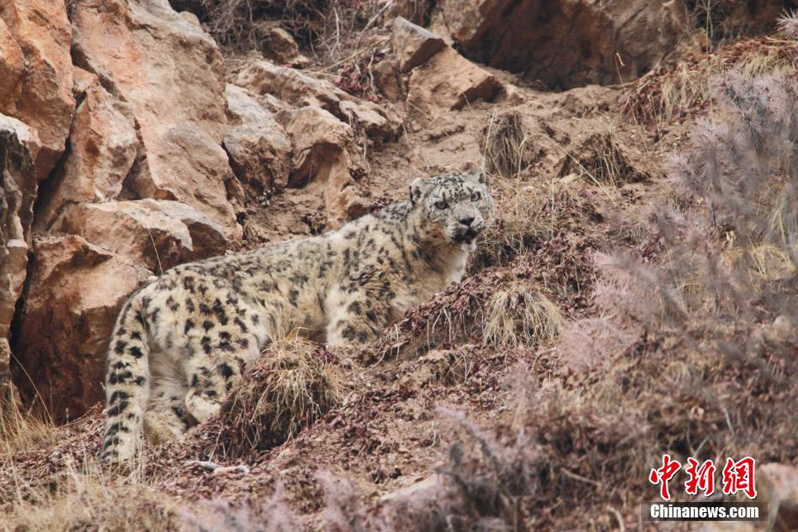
x,y
587,343
221,515
788,25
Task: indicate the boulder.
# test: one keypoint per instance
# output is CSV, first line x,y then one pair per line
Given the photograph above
x,y
300,90
18,149
102,149
323,156
12,66
171,74
447,82
75,292
567,43
158,234
388,79
278,45
36,73
191,167
259,150
413,45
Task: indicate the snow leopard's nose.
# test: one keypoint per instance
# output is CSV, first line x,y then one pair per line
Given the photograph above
x,y
467,220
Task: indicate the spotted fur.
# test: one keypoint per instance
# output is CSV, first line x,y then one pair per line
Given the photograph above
x,y
182,342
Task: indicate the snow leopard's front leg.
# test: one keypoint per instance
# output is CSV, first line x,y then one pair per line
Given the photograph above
x,y
356,315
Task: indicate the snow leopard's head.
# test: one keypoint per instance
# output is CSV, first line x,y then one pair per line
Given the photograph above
x,y
456,207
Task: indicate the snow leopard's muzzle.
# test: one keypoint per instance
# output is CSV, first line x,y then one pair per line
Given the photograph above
x,y
467,228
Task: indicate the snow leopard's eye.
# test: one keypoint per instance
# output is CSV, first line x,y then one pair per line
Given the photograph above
x,y
476,196
441,204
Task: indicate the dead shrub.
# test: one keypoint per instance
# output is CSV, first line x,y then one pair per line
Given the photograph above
x,y
344,510
234,23
729,19
684,90
357,76
587,343
294,383
478,486
488,477
599,159
330,28
416,11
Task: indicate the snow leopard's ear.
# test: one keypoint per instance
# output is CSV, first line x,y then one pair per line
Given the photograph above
x,y
417,189
478,174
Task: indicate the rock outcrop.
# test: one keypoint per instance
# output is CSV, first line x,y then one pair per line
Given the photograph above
x,y
567,43
126,153
75,292
323,147
278,45
170,73
414,45
36,74
18,149
439,78
449,82
102,149
325,126
141,183
300,90
258,147
156,233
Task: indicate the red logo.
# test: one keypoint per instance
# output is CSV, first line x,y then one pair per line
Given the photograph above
x,y
737,476
664,474
701,478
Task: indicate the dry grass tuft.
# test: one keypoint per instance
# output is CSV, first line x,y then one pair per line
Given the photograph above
x,y
504,145
530,213
504,308
21,431
294,383
89,501
518,315
765,262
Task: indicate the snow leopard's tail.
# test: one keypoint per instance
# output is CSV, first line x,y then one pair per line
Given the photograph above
x,y
127,386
